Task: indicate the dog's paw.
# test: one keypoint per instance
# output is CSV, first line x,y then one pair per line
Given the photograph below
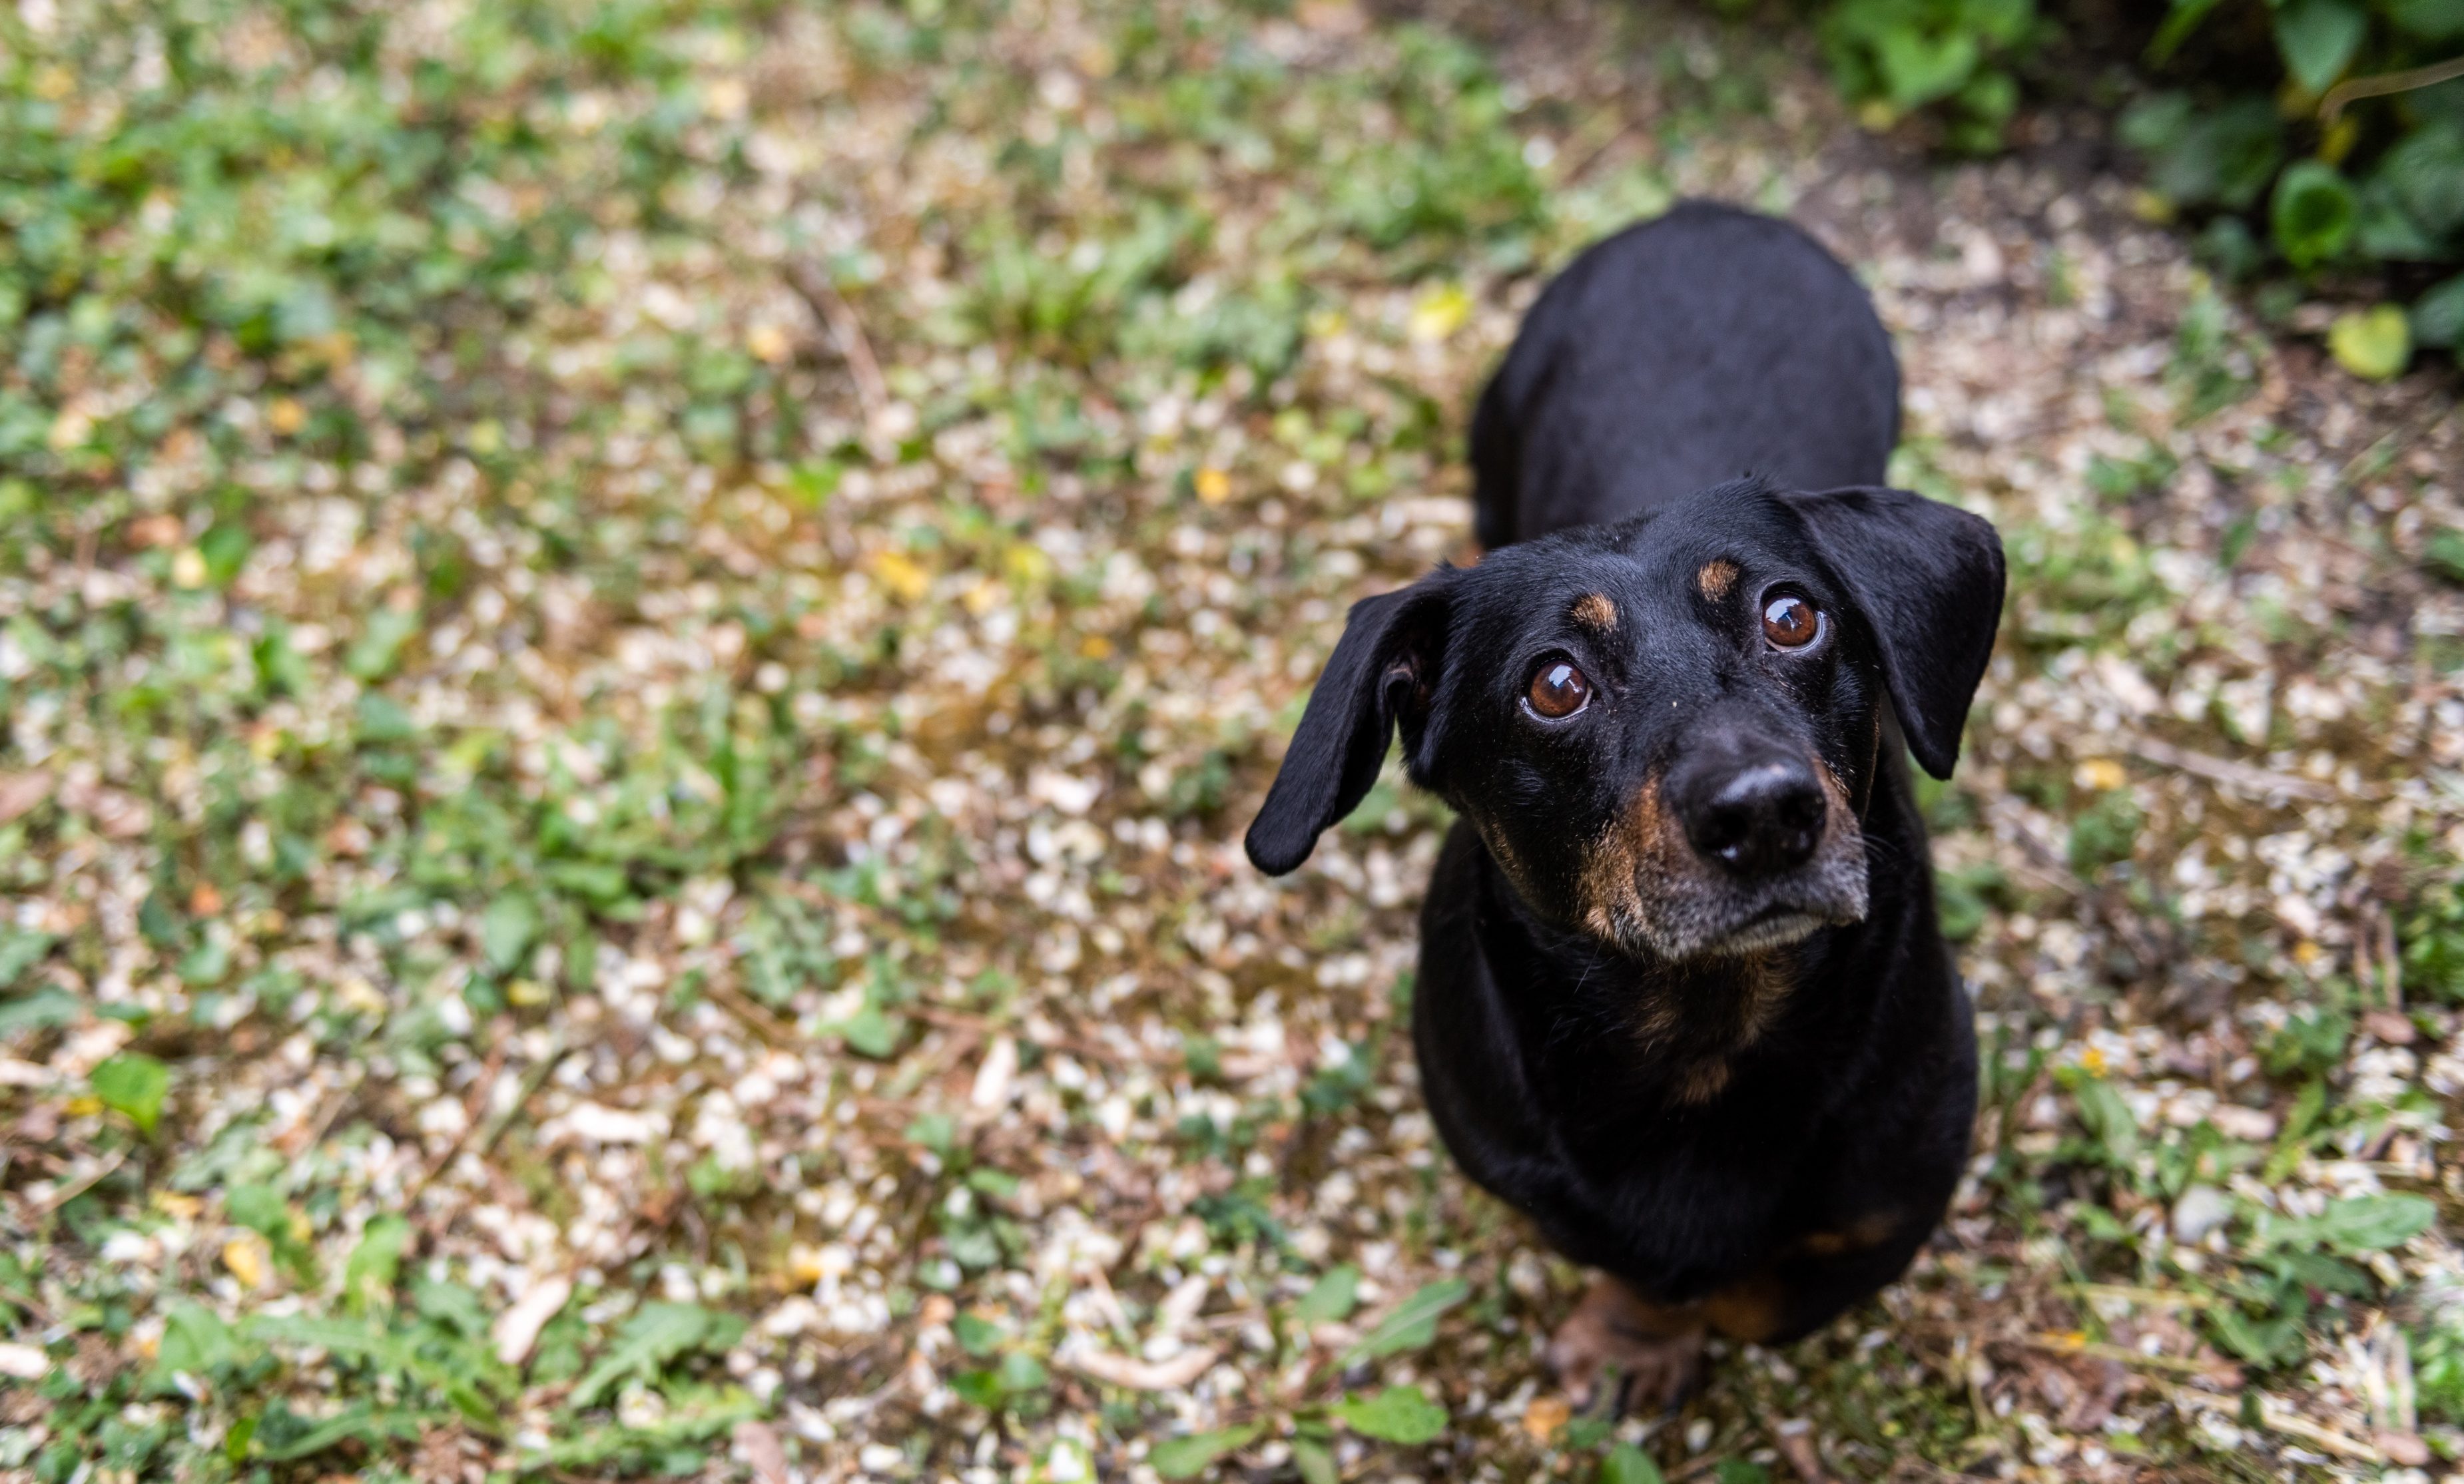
x,y
1651,1356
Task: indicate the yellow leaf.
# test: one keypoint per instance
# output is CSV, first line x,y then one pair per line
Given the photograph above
x,y
906,580
767,343
286,416
1544,1416
1213,484
245,1257
2373,344
1094,646
1440,311
2102,774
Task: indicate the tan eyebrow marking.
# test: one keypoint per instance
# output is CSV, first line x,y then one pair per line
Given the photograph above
x,y
1593,610
1716,577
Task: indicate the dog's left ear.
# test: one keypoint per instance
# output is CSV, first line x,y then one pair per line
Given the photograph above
x,y
1380,676
1928,577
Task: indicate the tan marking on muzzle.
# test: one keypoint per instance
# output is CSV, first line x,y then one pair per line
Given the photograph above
x,y
1645,840
1594,611
1716,576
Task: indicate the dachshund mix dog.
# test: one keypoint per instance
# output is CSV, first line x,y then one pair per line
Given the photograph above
x,y
1683,998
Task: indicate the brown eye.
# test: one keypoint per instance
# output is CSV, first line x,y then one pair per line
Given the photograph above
x,y
1558,690
1789,621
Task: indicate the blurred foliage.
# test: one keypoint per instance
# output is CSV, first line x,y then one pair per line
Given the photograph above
x,y
2308,135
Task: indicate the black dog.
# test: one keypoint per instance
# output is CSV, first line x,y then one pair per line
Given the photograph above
x,y
1682,998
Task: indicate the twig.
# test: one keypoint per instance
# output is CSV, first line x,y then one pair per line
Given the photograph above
x,y
847,334
2278,1419
2241,775
2155,1297
2354,89
83,1183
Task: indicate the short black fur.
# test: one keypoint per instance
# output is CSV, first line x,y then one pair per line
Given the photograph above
x,y
1682,998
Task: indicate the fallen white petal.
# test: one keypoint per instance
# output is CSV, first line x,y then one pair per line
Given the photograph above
x,y
518,1327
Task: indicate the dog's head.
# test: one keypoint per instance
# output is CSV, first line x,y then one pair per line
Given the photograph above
x,y
1665,730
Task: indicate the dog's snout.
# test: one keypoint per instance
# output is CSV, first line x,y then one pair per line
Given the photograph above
x,y
1758,820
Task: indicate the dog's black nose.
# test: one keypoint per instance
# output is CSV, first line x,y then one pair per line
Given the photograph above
x,y
1759,819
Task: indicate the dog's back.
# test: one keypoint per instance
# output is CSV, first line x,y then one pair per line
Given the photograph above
x,y
1704,346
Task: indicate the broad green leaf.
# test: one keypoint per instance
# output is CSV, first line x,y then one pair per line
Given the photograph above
x,y
133,1084
2313,212
1397,1414
372,655
1412,1324
2374,344
48,1007
2425,170
2374,1223
1918,68
2432,20
1627,1464
369,1272
868,1032
1315,1464
1187,1457
2439,315
507,930
194,1340
1331,1298
19,952
2318,39
656,1334
975,1334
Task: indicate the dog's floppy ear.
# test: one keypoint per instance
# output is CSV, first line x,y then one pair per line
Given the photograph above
x,y
1380,674
1928,577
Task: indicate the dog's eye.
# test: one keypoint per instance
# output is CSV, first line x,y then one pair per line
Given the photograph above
x,y
1558,690
1789,621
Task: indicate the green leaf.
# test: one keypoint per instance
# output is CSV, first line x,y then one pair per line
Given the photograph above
x,y
1187,1457
195,1339
19,952
2374,344
2318,38
2432,20
1397,1414
2373,1223
1315,1464
1412,1324
47,1008
868,1032
369,1272
2439,315
372,655
2105,1115
1740,1471
1627,1464
1331,1298
133,1084
2425,170
656,1334
2444,553
2313,212
507,930
1918,68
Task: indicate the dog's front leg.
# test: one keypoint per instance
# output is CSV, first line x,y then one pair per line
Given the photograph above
x,y
1652,1354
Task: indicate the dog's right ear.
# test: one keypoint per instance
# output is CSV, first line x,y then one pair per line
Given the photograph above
x,y
1382,675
